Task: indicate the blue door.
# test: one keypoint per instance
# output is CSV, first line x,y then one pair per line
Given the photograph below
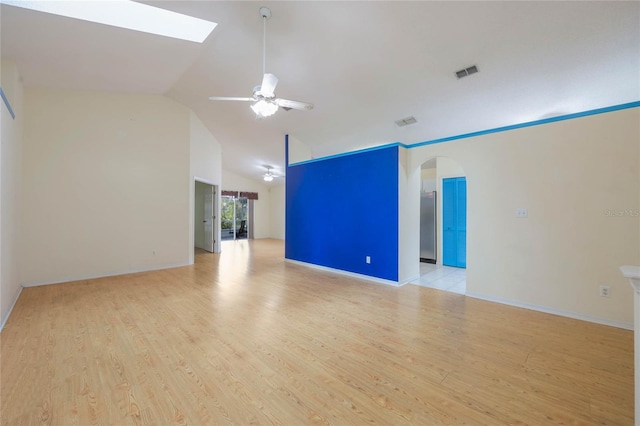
x,y
454,222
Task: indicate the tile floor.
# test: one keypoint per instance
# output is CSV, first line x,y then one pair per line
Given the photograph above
x,y
443,278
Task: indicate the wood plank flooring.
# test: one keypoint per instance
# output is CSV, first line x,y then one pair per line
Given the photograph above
x,y
245,338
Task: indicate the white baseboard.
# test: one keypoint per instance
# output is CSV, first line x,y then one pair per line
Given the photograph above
x,y
568,314
13,303
408,280
103,275
346,273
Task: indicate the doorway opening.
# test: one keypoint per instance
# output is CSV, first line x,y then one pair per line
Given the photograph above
x,y
443,225
205,217
234,218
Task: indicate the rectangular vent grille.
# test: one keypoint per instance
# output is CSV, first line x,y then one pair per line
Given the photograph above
x,y
406,121
467,71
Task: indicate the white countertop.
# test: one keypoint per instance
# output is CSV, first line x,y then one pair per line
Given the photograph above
x,y
632,272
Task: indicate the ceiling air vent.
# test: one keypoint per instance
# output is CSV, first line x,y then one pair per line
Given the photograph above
x,y
406,121
467,71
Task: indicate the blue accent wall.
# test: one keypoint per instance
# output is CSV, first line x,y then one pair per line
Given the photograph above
x,y
342,209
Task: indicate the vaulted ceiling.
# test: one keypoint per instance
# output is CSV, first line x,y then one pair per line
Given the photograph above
x,y
362,64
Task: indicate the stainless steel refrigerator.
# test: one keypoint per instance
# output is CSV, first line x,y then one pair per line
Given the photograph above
x,y
428,240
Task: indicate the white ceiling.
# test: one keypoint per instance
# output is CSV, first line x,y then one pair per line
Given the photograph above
x,y
363,65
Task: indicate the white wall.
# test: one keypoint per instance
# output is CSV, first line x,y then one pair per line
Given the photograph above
x,y
557,257
429,172
408,216
205,165
262,220
277,211
105,181
10,189
448,167
298,151
428,177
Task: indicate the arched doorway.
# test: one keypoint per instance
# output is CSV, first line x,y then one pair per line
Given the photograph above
x,y
443,225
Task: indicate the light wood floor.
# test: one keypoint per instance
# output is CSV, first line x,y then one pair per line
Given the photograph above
x,y
246,338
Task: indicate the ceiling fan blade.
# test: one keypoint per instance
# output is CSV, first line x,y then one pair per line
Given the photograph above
x,y
268,86
286,103
225,98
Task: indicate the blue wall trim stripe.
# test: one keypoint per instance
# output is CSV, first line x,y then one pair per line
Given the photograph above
x,y
530,124
634,104
6,102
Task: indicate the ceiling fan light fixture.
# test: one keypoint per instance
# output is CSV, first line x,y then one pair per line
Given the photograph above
x,y
264,108
268,176
264,99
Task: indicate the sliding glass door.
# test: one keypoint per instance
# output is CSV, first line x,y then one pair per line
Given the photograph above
x,y
234,218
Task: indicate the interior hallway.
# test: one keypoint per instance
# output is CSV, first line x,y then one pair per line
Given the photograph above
x,y
443,278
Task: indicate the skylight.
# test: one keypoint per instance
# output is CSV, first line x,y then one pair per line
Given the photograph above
x,y
125,14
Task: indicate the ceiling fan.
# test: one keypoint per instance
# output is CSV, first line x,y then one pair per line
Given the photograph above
x,y
264,98
269,175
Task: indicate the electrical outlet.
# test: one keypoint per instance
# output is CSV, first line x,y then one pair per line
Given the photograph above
x,y
522,213
605,291
368,259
